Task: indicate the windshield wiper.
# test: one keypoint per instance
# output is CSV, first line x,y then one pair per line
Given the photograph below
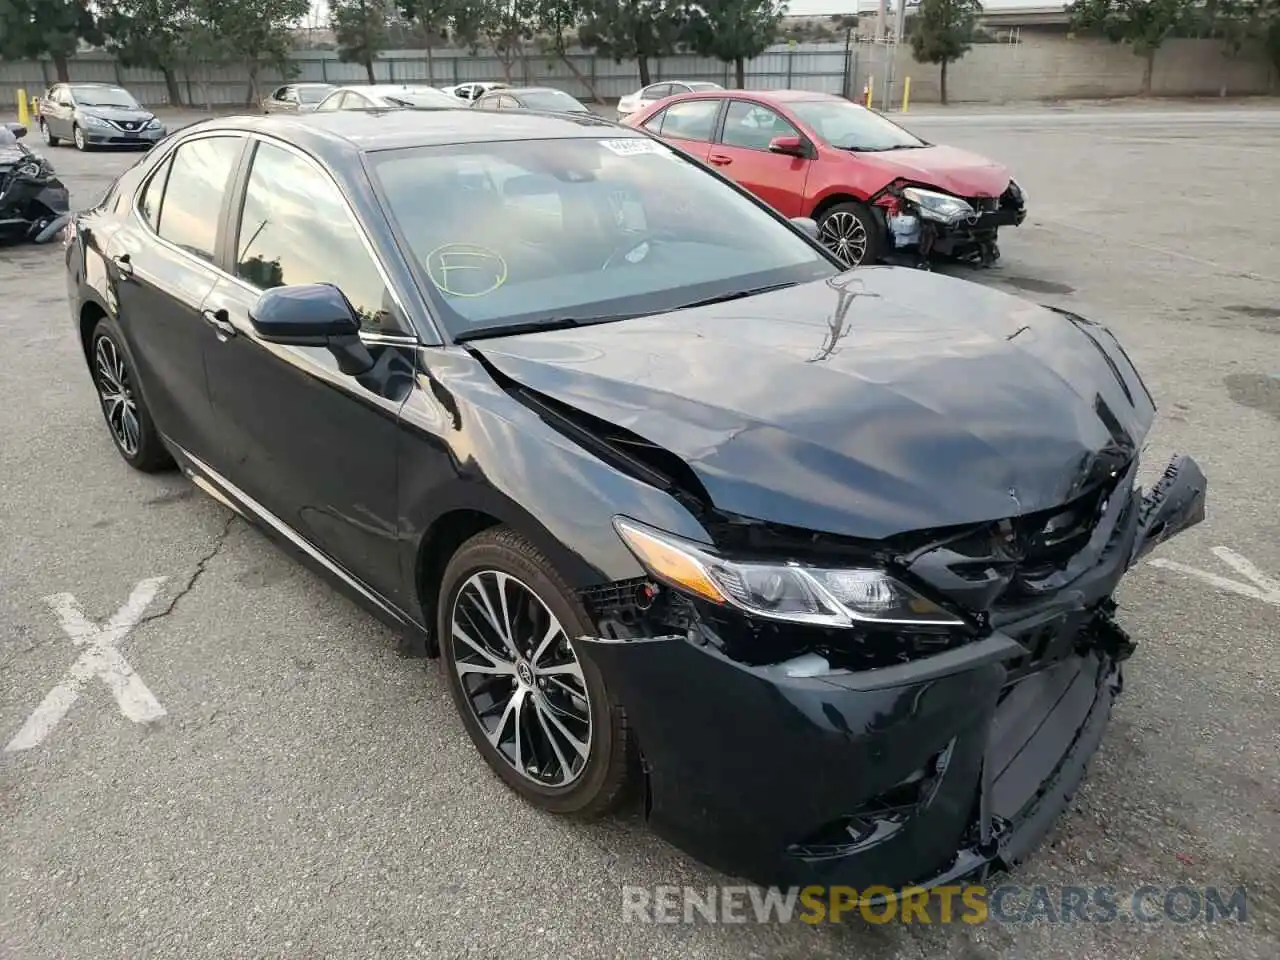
x,y
738,295
535,326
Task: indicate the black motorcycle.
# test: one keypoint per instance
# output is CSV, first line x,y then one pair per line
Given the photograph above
x,y
34,203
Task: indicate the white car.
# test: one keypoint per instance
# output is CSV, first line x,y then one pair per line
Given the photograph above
x,y
474,90
657,91
385,96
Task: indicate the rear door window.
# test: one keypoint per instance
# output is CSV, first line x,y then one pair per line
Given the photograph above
x,y
197,184
690,119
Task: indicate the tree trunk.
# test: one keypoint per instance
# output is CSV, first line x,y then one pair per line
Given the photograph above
x,y
642,64
942,84
740,72
368,69
431,64
255,95
60,66
1147,67
580,77
171,86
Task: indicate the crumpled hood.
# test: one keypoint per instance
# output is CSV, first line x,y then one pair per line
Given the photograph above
x,y
882,401
955,171
10,153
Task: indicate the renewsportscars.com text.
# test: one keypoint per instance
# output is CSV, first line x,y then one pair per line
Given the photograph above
x,y
972,904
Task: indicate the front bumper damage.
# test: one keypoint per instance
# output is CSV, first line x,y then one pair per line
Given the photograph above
x,y
954,758
912,238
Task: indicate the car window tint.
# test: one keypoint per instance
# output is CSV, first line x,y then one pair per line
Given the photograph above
x,y
193,196
691,120
658,91
294,228
332,102
149,205
654,123
752,126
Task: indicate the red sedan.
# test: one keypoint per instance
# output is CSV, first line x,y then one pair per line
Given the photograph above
x,y
875,190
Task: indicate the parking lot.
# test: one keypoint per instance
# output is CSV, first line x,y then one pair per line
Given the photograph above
x,y
300,789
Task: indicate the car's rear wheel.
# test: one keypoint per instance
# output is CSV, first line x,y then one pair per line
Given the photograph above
x,y
49,138
127,416
77,134
850,232
541,717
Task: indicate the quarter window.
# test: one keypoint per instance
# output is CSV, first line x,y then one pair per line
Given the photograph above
x,y
752,126
690,120
149,206
193,193
294,229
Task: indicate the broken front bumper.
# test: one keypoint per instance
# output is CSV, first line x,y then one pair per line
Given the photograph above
x,y
920,773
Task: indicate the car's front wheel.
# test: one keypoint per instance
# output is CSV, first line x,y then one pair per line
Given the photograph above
x,y
850,232
127,416
49,138
541,717
81,141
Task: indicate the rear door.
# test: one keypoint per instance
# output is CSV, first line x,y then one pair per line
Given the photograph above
x,y
62,113
162,267
742,152
688,125
314,446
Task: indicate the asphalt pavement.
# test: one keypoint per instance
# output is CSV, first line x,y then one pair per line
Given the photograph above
x,y
298,789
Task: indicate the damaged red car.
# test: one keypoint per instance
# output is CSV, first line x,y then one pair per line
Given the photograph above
x,y
877,192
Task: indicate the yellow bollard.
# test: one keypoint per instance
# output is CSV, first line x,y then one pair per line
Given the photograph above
x,y
871,82
906,93
24,115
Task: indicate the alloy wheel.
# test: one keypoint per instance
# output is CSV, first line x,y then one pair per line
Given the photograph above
x,y
80,141
844,235
116,393
521,678
44,132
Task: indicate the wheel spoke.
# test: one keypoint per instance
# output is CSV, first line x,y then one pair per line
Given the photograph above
x,y
553,631
565,769
580,747
492,664
512,709
571,669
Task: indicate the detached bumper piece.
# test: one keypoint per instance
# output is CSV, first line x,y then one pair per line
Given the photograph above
x,y
937,764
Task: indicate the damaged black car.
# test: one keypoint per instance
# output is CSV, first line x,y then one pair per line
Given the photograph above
x,y
34,203
816,564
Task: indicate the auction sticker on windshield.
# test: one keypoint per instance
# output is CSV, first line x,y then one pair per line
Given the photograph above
x,y
632,147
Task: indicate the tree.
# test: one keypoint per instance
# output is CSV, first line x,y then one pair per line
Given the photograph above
x,y
502,25
1143,25
31,29
149,34
432,18
735,30
942,32
252,31
636,30
361,29
552,19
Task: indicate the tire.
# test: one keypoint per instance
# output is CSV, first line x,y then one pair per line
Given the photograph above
x,y
139,445
605,778
49,138
80,140
850,222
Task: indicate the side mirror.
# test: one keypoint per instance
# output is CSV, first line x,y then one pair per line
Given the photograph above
x,y
313,315
791,146
17,129
807,225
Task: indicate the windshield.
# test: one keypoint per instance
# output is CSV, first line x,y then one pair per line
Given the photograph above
x,y
104,97
534,231
555,100
850,127
313,94
426,97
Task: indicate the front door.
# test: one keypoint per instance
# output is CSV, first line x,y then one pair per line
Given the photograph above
x,y
743,154
62,114
314,446
161,263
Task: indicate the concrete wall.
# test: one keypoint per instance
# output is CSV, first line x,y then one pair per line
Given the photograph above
x,y
1042,66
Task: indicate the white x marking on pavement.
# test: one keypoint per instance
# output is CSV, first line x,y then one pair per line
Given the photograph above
x,y
1260,586
100,659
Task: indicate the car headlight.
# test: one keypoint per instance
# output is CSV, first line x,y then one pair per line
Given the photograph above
x,y
793,592
153,124
93,121
941,207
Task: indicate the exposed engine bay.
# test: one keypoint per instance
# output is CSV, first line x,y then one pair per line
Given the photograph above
x,y
922,223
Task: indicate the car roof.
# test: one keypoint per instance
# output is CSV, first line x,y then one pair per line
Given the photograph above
x,y
309,83
342,134
536,90
765,96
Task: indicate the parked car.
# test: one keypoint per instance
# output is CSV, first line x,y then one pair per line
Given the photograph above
x,y
860,631
296,97
96,114
647,96
876,190
530,98
475,89
386,96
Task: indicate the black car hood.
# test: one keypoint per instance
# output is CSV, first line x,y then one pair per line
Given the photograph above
x,y
882,401
11,153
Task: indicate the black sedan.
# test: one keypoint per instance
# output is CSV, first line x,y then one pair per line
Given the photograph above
x,y
820,562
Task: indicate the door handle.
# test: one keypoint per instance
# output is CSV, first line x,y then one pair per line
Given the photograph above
x,y
220,321
720,160
124,265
